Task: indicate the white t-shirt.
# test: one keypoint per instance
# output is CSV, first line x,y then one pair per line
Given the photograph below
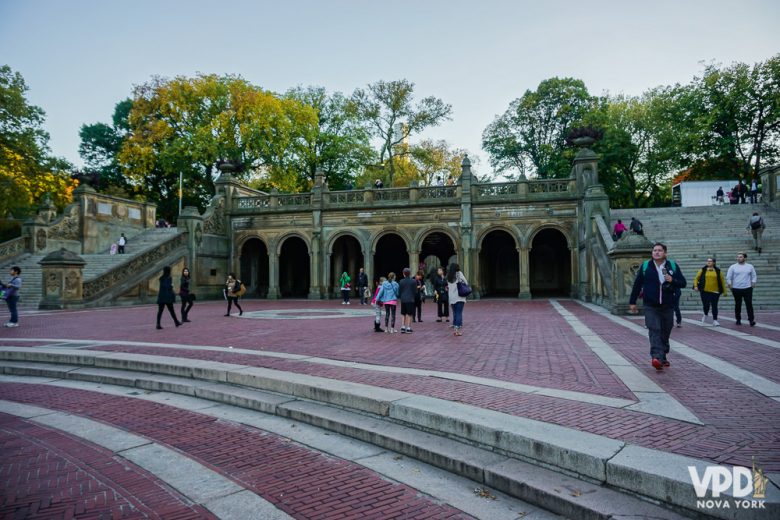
x,y
122,241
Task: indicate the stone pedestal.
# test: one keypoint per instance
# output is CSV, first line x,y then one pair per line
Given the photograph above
x,y
626,259
62,277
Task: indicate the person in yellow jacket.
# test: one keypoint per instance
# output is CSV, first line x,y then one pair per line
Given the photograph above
x,y
711,283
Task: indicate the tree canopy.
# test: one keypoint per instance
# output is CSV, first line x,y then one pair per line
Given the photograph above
x,y
388,109
28,172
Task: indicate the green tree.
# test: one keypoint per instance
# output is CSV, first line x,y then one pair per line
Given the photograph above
x,y
391,116
27,170
100,147
435,162
739,113
186,125
530,136
340,146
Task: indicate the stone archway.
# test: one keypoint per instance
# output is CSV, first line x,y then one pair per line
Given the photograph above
x,y
294,268
499,265
391,255
346,255
437,250
254,267
550,264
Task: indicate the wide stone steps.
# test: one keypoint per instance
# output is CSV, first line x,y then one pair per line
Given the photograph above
x,y
97,264
572,473
695,233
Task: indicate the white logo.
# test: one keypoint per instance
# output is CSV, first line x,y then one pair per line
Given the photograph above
x,y
736,482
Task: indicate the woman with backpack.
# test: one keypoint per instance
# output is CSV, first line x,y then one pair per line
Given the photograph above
x,y
234,290
711,283
388,296
455,277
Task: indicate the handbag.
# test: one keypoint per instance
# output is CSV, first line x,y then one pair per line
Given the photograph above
x,y
463,289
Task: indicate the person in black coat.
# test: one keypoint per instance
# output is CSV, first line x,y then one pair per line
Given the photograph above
x,y
184,292
166,297
441,293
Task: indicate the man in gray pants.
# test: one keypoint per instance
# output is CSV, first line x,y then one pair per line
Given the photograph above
x,y
658,279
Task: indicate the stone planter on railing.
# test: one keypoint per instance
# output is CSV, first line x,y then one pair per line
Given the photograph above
x,y
62,279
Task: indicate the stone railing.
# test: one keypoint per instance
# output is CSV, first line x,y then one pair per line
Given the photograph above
x,y
504,189
356,199
550,186
12,248
138,265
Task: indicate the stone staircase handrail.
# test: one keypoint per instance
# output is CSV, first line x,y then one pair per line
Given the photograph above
x,y
602,243
12,248
97,287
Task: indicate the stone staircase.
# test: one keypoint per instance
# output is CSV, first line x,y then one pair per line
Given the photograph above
x,y
97,264
692,234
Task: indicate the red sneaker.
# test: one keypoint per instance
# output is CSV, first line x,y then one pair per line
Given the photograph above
x,y
657,364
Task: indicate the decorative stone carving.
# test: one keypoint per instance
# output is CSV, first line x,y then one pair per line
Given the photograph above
x,y
40,239
67,228
52,284
214,221
72,283
198,234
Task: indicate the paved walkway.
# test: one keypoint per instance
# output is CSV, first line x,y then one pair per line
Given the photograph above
x,y
558,361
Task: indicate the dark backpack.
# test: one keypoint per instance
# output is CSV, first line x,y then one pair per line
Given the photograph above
x,y
756,224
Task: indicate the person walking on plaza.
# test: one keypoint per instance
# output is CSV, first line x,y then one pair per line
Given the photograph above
x,y
419,296
454,276
346,286
121,243
378,305
756,227
658,279
719,195
711,283
388,296
741,278
441,294
362,286
234,290
11,295
742,191
407,288
184,293
166,297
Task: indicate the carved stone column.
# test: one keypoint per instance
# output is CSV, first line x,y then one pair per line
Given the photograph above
x,y
62,277
414,261
626,258
273,274
525,273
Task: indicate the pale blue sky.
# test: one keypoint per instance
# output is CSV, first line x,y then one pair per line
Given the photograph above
x,y
81,57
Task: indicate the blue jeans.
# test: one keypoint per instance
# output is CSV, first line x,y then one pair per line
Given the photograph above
x,y
659,321
457,314
12,307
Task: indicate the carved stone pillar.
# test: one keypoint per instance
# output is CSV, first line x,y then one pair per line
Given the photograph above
x,y
273,274
626,258
414,261
525,273
62,277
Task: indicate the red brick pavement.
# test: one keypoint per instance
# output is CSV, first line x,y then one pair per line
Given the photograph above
x,y
46,473
524,342
302,482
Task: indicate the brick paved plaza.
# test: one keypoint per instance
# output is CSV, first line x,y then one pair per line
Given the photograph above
x,y
556,361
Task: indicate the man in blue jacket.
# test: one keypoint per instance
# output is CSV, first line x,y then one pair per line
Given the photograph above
x,y
658,279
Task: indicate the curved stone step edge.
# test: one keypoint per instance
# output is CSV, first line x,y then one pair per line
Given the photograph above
x,y
653,474
551,490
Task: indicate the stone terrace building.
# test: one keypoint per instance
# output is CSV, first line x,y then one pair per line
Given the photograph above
x,y
517,239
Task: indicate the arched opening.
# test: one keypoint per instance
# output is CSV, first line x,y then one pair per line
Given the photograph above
x,y
437,250
345,256
391,255
294,270
499,265
254,267
550,264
